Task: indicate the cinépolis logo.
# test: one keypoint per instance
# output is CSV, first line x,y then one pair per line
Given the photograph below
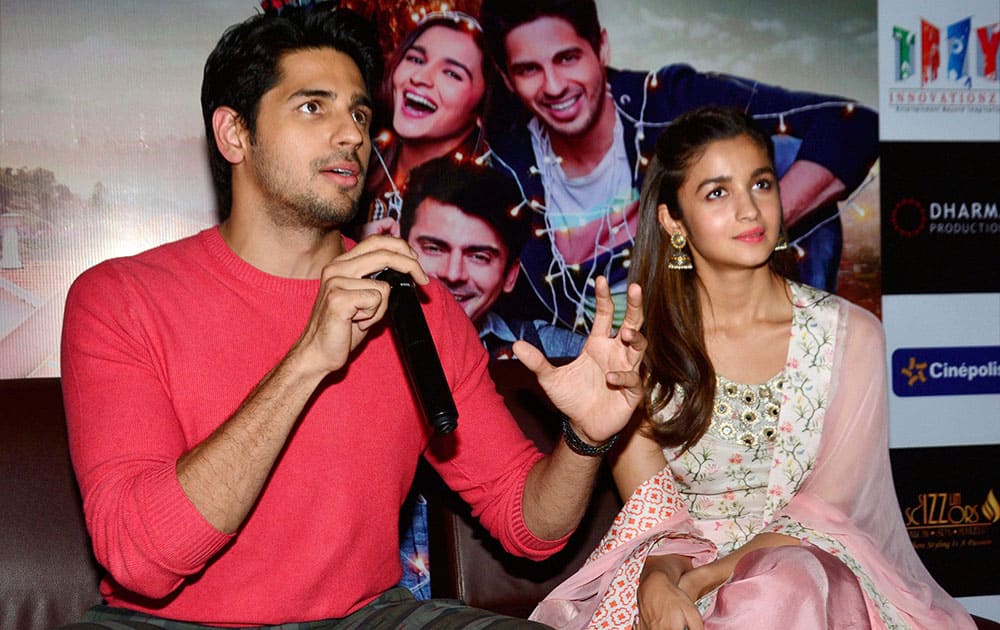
x,y
946,371
942,520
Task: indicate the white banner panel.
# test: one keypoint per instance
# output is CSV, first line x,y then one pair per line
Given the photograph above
x,y
926,328
938,70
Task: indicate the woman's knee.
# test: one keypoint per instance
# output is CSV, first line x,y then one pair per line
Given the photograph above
x,y
793,563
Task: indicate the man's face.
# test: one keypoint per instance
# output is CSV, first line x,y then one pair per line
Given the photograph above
x,y
464,252
311,144
557,74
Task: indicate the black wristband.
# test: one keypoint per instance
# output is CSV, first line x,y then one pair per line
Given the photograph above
x,y
580,447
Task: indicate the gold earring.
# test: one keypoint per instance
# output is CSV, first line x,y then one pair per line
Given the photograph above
x,y
678,259
782,243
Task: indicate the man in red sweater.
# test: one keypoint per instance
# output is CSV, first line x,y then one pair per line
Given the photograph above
x,y
241,426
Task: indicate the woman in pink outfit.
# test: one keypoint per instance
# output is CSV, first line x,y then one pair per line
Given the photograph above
x,y
759,481
434,93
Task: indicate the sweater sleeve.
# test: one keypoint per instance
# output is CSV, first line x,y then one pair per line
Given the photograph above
x,y
125,440
487,458
835,132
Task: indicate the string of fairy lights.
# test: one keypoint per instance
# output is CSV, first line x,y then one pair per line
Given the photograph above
x,y
615,220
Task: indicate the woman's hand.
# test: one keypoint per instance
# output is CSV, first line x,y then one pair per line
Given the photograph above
x,y
704,579
708,577
663,604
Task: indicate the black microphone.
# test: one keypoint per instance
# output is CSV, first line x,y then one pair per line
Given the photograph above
x,y
416,347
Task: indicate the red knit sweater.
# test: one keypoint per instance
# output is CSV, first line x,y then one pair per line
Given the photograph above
x,y
159,349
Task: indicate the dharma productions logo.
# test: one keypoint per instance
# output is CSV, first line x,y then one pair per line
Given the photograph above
x,y
911,217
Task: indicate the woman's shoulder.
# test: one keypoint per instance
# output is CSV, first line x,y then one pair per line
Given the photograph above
x,y
857,319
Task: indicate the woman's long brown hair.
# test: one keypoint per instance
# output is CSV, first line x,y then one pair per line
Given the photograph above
x,y
677,359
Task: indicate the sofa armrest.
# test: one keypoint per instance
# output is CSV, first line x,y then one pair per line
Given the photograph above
x,y
48,576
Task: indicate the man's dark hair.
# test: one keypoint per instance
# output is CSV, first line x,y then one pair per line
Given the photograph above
x,y
500,17
244,66
478,191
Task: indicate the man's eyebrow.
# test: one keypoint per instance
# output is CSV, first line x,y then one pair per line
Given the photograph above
x,y
520,66
313,93
360,99
482,249
571,50
431,240
528,63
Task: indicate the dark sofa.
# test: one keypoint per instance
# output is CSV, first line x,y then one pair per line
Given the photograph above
x,y
48,576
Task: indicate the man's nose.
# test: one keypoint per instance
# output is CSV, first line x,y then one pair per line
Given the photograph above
x,y
348,132
455,271
554,83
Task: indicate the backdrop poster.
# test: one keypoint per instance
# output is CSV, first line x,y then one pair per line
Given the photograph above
x,y
102,139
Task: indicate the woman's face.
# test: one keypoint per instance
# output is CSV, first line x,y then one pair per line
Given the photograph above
x,y
731,206
438,86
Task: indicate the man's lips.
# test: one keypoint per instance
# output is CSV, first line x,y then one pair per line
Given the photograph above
x,y
562,108
348,171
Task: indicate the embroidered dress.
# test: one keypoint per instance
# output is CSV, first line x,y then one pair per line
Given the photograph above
x,y
725,477
818,471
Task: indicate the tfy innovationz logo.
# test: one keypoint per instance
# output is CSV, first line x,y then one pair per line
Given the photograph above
x,y
946,371
957,74
912,217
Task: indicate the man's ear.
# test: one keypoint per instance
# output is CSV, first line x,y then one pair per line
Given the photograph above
x,y
502,71
510,278
500,65
231,137
604,51
667,222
